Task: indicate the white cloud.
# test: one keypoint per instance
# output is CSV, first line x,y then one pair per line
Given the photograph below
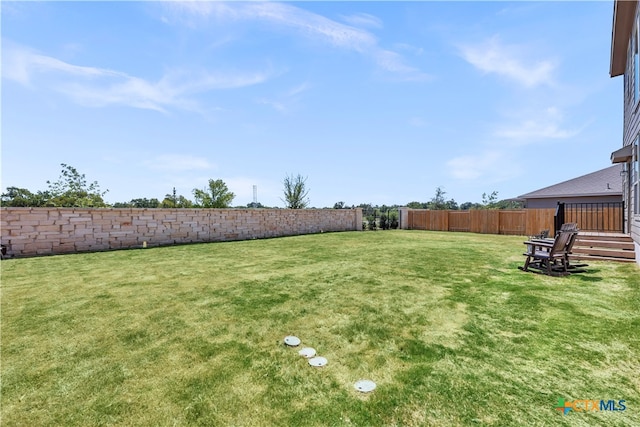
x,y
513,62
303,87
21,64
193,13
532,129
278,106
362,20
309,24
314,26
287,101
409,48
536,126
394,62
99,87
178,163
304,23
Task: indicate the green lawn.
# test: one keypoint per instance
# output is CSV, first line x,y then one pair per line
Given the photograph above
x,y
450,330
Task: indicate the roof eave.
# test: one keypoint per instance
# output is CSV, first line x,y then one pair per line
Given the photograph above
x,y
623,16
622,155
562,196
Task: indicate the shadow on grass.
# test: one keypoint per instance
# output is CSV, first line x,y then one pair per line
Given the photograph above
x,y
587,278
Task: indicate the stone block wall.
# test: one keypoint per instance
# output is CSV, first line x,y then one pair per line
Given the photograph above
x,y
47,231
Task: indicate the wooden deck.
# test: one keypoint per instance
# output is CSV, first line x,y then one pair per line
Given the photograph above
x,y
591,245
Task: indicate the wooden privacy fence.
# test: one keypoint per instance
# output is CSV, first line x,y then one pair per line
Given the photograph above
x,y
522,222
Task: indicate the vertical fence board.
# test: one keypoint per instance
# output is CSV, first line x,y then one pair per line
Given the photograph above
x,y
537,220
485,221
512,222
475,221
459,221
439,220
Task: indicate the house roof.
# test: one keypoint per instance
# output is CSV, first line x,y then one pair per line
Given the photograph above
x,y
623,14
605,182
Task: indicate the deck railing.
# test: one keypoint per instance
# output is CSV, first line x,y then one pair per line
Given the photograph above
x,y
602,217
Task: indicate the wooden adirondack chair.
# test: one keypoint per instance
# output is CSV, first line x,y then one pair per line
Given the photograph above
x,y
569,226
544,234
572,227
549,256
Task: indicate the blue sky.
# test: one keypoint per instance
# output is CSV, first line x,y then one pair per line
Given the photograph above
x,y
374,102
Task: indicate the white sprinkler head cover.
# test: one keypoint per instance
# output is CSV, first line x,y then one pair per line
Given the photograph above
x,y
307,352
292,341
365,386
318,361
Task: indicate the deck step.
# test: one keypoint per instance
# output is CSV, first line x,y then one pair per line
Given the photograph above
x,y
606,252
603,246
584,257
610,237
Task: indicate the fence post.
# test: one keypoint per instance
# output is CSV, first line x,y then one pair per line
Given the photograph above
x,y
403,218
558,218
358,219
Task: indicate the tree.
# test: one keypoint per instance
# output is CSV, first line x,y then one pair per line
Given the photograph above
x,y
21,197
367,209
438,202
372,221
183,202
470,205
509,204
71,190
339,205
170,200
417,205
489,200
138,203
216,196
295,192
393,220
384,221
451,205
145,203
174,201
